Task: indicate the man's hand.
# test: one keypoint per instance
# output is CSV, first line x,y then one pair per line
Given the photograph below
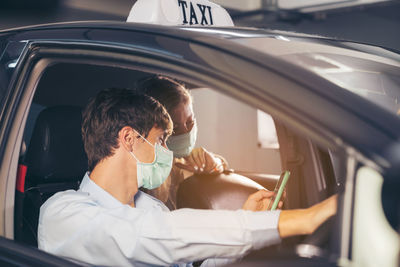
x,y
306,221
259,201
201,161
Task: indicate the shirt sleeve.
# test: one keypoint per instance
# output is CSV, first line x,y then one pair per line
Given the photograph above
x,y
200,234
133,236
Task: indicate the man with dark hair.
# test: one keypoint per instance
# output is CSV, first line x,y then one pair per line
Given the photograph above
x,y
112,110
108,222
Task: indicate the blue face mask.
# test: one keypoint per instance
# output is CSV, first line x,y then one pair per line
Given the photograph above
x,y
152,175
183,144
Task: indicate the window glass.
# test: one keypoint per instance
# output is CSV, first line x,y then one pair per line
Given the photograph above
x,y
373,75
267,137
9,58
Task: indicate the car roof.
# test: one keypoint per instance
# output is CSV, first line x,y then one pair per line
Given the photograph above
x,y
386,126
191,31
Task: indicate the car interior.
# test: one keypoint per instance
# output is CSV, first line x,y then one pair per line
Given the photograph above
x,y
52,157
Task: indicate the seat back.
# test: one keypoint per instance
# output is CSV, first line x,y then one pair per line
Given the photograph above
x,y
55,161
227,191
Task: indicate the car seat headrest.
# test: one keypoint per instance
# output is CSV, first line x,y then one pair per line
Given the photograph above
x,y
55,152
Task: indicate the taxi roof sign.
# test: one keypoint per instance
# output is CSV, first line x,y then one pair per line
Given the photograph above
x,y
180,12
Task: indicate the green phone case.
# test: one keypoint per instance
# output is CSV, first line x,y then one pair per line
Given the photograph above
x,y
280,186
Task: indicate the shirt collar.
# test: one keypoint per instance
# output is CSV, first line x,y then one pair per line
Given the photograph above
x,y
101,196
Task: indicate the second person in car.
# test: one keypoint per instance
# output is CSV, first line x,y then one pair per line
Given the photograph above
x,y
188,159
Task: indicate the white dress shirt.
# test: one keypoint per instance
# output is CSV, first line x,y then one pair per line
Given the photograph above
x,y
90,225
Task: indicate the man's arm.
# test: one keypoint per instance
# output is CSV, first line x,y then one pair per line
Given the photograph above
x,y
72,225
298,221
306,221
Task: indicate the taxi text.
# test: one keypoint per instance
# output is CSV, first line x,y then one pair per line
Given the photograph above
x,y
192,14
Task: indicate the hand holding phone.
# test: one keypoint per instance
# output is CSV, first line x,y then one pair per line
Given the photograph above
x,y
278,190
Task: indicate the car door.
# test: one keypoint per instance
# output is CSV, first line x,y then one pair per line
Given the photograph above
x,y
11,65
43,54
190,61
14,254
12,56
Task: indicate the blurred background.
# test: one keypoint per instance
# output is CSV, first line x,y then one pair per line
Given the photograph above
x,y
369,21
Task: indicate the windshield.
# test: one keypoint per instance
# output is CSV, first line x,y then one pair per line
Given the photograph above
x,y
371,72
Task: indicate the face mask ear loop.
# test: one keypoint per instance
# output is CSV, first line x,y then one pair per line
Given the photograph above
x,y
133,155
143,138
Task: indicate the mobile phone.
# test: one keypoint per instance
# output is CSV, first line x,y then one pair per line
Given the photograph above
x,y
278,190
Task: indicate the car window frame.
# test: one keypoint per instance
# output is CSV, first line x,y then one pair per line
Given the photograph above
x,y
44,54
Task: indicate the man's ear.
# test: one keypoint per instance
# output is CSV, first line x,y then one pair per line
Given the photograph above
x,y
127,137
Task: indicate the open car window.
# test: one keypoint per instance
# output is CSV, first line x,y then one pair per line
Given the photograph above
x,y
227,126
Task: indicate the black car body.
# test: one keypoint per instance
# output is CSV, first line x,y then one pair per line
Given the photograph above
x,y
334,139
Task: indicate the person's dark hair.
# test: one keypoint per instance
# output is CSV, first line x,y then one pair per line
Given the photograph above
x,y
170,93
111,110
